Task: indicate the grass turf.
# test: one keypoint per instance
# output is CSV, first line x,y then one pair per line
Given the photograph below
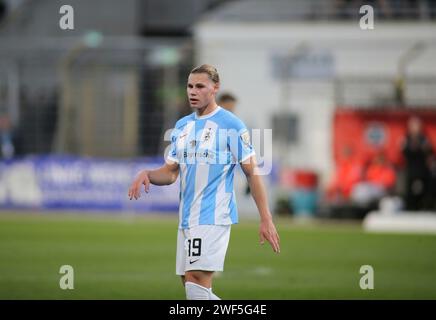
x,y
134,258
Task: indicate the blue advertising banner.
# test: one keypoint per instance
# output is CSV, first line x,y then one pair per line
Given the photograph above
x,y
52,182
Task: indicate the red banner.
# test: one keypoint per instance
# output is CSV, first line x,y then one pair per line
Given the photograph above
x,y
366,132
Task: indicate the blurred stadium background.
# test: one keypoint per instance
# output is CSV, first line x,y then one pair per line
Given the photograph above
x,y
83,110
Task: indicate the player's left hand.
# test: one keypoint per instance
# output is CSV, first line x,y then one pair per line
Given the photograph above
x,y
267,231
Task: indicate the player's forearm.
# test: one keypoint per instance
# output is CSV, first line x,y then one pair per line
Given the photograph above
x,y
258,192
162,176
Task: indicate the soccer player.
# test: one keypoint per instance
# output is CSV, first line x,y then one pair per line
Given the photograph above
x,y
205,148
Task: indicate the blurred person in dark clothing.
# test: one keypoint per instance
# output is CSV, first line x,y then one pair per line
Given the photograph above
x,y
416,149
227,101
430,197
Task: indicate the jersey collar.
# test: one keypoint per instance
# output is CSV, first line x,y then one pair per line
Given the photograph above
x,y
218,108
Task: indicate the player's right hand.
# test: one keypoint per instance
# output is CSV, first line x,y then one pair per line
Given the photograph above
x,y
135,187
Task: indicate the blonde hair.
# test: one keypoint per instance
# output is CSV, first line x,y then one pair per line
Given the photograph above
x,y
209,70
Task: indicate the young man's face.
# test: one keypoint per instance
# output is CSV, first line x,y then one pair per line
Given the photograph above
x,y
201,90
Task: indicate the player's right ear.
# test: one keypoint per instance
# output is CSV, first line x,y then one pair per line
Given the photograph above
x,y
216,87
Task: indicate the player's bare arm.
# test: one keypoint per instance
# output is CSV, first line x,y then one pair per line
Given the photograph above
x,y
267,229
165,175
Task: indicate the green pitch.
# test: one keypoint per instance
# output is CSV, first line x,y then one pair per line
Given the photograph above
x,y
134,258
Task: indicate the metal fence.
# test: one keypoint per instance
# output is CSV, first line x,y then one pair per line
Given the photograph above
x,y
113,99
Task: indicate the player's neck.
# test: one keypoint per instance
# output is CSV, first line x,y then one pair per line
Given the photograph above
x,y
211,107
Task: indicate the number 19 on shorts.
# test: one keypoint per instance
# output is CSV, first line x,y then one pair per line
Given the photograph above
x,y
194,247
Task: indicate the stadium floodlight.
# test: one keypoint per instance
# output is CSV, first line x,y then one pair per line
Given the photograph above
x,y
166,56
93,39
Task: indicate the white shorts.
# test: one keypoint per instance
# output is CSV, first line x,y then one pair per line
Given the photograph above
x,y
202,247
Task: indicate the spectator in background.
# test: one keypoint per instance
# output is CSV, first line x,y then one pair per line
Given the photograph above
x,y
227,101
381,172
7,146
416,149
430,198
378,181
349,171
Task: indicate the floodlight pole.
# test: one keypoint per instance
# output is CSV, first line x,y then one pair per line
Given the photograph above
x,y
405,59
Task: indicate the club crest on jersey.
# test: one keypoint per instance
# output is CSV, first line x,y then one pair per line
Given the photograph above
x,y
246,138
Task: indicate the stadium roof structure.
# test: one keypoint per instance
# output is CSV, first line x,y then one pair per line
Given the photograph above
x,y
266,11
300,10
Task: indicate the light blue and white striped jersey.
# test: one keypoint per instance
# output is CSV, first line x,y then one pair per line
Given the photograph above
x,y
207,149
